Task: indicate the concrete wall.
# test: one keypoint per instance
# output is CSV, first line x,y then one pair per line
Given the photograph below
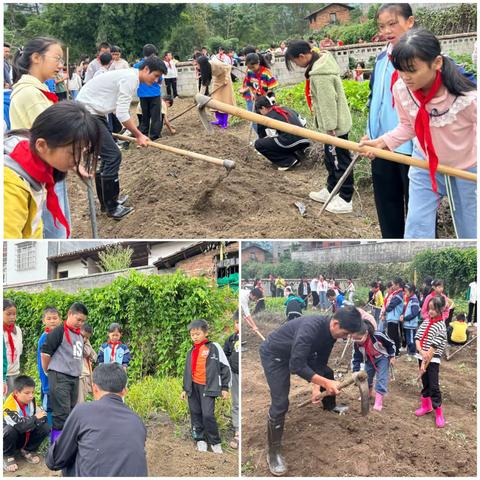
x,y
382,252
75,268
462,43
39,272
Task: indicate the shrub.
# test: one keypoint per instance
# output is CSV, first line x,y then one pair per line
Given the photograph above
x,y
115,257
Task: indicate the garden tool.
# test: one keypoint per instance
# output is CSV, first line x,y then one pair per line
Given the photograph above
x,y
91,207
228,164
203,100
360,379
339,184
448,357
339,360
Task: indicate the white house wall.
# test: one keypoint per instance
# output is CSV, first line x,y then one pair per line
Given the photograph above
x,y
39,272
75,268
165,249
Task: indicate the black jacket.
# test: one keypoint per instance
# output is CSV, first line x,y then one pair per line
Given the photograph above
x,y
231,349
218,372
294,306
306,342
300,291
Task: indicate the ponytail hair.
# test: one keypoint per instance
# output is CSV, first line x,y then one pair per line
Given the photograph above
x,y
205,70
22,61
256,58
297,48
422,44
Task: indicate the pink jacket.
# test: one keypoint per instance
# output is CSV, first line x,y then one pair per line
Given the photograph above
x,y
424,311
454,134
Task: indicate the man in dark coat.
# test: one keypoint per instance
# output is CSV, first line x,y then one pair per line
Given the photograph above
x,y
103,438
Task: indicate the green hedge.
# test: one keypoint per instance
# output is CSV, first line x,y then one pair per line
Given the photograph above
x,y
154,311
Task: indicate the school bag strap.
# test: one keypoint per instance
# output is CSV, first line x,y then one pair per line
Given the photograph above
x,y
18,169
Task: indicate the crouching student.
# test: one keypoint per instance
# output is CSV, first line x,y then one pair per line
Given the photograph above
x,y
457,331
206,377
62,355
24,425
377,351
283,149
293,304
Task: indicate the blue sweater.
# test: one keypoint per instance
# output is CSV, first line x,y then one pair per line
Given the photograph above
x,y
122,354
145,90
395,308
411,317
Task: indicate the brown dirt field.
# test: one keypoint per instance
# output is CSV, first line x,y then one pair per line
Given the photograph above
x,y
389,443
170,453
253,201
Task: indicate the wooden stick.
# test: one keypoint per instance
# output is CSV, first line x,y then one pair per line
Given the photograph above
x,y
461,348
331,140
228,164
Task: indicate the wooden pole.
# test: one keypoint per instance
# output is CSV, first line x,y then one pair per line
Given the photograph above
x,y
329,139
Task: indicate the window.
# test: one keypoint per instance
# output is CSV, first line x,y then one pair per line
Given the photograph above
x,y
63,274
26,256
333,18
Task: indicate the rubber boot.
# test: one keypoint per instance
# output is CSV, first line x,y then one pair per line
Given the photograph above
x,y
110,191
219,119
54,434
439,418
426,407
121,199
378,402
275,460
98,185
224,120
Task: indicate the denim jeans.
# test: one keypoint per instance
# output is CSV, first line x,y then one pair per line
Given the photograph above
x,y
382,372
251,108
423,204
323,300
49,229
410,338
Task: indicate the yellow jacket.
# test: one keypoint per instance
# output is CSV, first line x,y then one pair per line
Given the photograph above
x,y
459,332
27,102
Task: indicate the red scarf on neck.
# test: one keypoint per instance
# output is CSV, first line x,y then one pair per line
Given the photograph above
x,y
258,75
43,173
431,321
50,95
308,95
281,112
9,329
393,80
66,329
114,345
195,353
422,127
23,408
407,299
48,330
370,351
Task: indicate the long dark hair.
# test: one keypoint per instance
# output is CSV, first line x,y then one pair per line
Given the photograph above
x,y
22,61
205,70
403,9
422,44
295,49
256,58
67,123
7,303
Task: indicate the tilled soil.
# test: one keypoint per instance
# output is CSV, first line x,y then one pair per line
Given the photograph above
x,y
173,196
170,453
391,443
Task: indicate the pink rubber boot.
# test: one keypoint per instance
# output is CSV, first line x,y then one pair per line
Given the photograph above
x,y
425,408
439,418
378,402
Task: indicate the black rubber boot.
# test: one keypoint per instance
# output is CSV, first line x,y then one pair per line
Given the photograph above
x,y
121,199
110,191
275,460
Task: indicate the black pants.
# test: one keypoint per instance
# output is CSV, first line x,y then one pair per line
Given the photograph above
x,y
472,312
393,331
202,415
110,155
277,372
14,440
273,292
278,155
151,117
200,87
259,306
390,188
305,299
61,96
315,299
63,394
431,385
171,84
337,161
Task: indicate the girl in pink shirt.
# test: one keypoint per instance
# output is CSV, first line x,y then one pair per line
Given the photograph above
x,y
437,106
437,290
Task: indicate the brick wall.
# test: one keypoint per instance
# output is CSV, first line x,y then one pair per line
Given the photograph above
x,y
323,18
253,254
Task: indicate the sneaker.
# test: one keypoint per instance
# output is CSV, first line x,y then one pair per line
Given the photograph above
x,y
321,196
339,205
217,448
288,167
202,446
340,409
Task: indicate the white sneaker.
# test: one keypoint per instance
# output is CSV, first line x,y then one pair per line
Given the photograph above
x,y
321,196
217,448
339,205
202,446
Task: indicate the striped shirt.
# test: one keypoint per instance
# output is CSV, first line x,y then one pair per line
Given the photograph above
x,y
258,83
436,338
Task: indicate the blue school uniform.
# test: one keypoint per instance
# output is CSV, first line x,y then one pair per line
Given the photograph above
x,y
122,354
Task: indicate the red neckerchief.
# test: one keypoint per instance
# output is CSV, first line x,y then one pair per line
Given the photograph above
x,y
422,127
50,95
281,112
48,330
393,80
431,321
114,346
66,328
407,299
43,173
23,408
308,95
9,329
258,76
195,352
370,350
